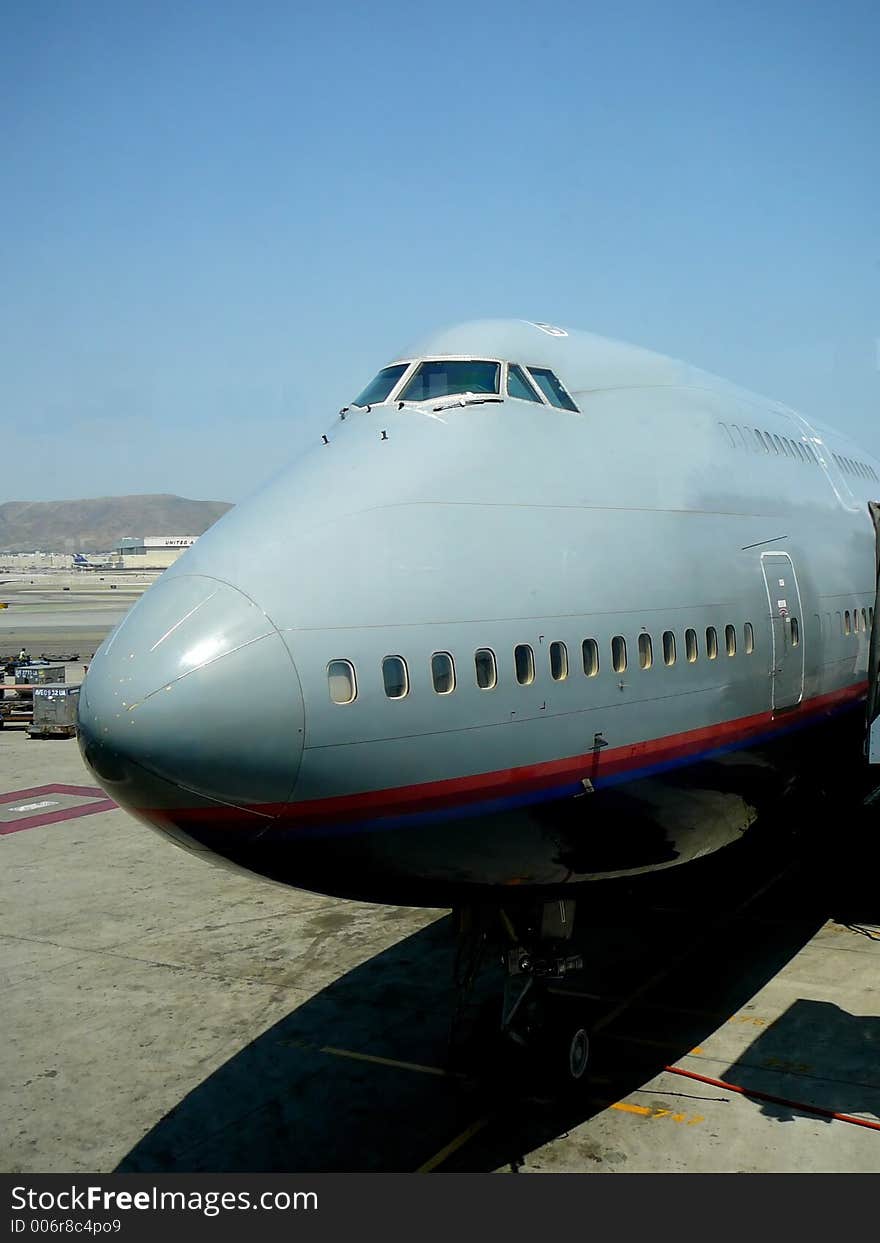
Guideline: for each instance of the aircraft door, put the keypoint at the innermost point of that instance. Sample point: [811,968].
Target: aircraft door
[786,630]
[874,659]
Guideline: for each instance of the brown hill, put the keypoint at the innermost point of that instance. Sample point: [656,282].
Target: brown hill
[96,525]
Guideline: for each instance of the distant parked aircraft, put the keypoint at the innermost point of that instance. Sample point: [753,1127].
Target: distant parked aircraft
[83,563]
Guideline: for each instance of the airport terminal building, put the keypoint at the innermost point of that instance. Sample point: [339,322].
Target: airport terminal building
[151,552]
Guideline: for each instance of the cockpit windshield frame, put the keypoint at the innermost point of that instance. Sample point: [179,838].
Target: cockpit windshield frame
[564,401]
[451,358]
[407,366]
[411,365]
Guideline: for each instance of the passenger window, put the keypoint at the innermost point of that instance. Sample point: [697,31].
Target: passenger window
[711,643]
[847,623]
[558,662]
[552,388]
[618,653]
[795,632]
[487,673]
[395,677]
[730,637]
[749,638]
[760,439]
[524,660]
[443,673]
[690,643]
[590,654]
[864,619]
[856,621]
[519,386]
[646,651]
[727,433]
[341,680]
[668,647]
[840,623]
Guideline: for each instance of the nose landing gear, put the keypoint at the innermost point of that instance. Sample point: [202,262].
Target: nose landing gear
[540,1019]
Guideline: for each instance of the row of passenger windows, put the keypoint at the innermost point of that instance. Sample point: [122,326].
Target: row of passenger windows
[753,440]
[852,623]
[395,672]
[850,466]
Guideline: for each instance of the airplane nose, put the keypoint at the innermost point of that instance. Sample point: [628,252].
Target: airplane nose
[193,702]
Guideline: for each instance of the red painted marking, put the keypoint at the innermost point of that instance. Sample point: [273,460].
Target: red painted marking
[437,795]
[78,791]
[53,817]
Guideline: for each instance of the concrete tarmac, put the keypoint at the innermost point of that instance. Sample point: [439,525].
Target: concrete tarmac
[164,1014]
[65,612]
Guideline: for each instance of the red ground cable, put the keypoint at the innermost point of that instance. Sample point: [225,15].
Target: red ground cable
[775,1100]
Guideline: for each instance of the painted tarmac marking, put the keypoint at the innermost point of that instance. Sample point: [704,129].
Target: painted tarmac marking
[49,802]
[355,1056]
[453,1146]
[389,1061]
[54,788]
[645,1111]
[99,802]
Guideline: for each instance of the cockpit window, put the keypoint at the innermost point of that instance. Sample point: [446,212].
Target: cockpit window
[448,376]
[377,390]
[518,385]
[552,389]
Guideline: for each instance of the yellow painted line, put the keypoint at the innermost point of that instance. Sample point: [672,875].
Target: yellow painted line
[642,1110]
[452,1146]
[390,1061]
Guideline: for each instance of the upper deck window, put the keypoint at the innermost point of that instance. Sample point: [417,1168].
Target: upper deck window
[552,389]
[519,386]
[378,390]
[448,376]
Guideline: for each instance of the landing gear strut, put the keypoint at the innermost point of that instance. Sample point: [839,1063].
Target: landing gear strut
[538,1017]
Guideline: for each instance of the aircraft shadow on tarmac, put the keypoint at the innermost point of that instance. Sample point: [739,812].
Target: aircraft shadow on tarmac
[815,1053]
[312,1094]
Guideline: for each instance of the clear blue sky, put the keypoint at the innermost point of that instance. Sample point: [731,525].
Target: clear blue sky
[220,218]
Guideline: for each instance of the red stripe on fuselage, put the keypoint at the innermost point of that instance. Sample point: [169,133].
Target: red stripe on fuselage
[533,778]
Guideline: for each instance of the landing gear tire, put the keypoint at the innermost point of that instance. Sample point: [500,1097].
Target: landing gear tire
[567,1054]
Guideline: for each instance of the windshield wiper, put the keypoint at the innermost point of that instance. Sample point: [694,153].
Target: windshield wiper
[466,399]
